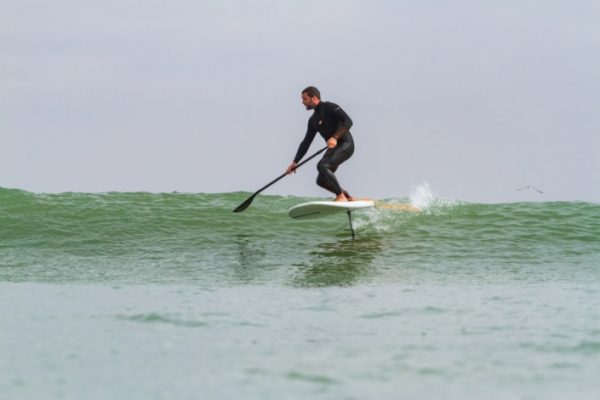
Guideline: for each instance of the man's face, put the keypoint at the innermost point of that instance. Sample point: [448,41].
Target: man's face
[309,102]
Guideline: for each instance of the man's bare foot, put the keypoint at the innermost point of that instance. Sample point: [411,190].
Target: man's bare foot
[341,197]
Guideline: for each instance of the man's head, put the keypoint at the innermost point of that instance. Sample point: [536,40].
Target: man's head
[311,97]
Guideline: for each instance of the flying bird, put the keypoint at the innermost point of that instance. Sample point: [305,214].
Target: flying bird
[531,188]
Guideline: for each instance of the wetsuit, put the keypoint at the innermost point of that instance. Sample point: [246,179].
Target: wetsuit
[330,121]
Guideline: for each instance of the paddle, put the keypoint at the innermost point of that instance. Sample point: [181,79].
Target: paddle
[249,200]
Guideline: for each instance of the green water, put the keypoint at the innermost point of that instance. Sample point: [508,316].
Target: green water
[139,295]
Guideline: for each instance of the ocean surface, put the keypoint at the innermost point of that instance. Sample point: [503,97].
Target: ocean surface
[173,296]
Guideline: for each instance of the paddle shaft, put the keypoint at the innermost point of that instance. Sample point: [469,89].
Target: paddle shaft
[284,174]
[246,203]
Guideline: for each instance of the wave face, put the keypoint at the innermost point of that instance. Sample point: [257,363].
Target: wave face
[177,237]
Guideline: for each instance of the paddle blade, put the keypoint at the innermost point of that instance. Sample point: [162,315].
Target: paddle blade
[244,205]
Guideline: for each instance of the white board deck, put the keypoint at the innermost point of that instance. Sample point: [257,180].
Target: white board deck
[314,209]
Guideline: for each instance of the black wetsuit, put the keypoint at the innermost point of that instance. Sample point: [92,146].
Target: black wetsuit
[330,121]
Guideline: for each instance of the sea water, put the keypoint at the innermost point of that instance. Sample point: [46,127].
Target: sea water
[173,296]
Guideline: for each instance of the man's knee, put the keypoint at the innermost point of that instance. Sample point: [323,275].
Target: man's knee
[323,166]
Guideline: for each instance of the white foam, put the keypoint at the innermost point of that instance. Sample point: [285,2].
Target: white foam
[421,196]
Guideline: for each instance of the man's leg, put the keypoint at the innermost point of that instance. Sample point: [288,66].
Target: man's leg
[329,164]
[321,182]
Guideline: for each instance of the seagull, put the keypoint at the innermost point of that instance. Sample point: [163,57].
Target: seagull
[531,188]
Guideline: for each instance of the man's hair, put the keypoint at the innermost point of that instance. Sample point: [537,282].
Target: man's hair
[312,91]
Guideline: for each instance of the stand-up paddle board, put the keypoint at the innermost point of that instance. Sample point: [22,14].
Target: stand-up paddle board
[314,209]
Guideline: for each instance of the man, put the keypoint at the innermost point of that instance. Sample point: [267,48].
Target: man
[334,126]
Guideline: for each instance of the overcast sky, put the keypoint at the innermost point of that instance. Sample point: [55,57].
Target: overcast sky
[476,98]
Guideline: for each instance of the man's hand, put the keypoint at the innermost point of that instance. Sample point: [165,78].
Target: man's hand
[332,142]
[291,168]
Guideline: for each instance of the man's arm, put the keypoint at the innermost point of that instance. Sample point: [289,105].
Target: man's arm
[305,144]
[303,148]
[343,120]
